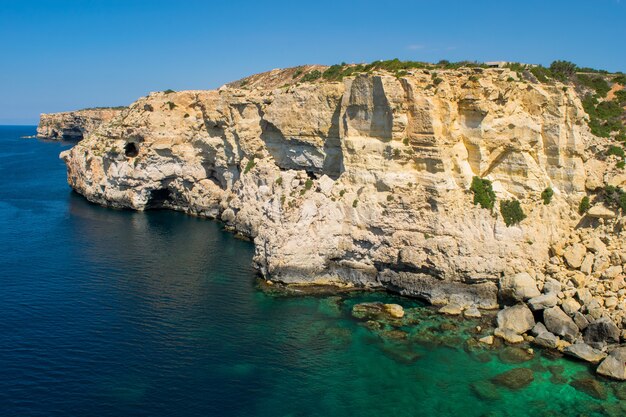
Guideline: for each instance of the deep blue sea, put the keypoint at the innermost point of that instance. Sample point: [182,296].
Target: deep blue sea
[117,313]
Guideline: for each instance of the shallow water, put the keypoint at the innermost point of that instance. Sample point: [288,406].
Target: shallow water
[114,313]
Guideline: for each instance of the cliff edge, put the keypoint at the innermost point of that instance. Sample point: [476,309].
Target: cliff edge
[367,180]
[73,126]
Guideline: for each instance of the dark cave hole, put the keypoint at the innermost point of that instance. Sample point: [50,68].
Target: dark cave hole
[158,198]
[131,150]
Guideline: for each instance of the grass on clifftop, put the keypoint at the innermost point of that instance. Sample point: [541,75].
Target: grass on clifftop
[338,71]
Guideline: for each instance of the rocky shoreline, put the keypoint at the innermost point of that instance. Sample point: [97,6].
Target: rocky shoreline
[74,125]
[368,182]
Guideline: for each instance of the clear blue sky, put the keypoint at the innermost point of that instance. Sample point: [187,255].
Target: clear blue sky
[59,55]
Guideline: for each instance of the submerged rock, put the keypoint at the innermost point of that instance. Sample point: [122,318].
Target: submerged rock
[512,354]
[377,311]
[403,353]
[485,390]
[590,386]
[515,378]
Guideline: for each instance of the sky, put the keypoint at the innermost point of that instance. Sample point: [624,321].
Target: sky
[60,55]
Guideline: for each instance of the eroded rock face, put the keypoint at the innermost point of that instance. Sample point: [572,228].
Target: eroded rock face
[363,182]
[73,126]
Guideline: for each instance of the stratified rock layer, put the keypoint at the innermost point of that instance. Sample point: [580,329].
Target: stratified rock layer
[74,125]
[361,182]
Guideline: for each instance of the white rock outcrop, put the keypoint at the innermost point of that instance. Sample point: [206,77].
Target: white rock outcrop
[366,181]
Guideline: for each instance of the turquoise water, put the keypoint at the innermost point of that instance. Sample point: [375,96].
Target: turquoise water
[116,313]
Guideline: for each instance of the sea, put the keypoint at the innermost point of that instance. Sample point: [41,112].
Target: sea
[109,312]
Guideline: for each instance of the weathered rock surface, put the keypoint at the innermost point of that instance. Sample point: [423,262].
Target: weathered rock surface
[560,324]
[518,287]
[614,366]
[74,125]
[365,182]
[585,352]
[601,332]
[543,301]
[547,340]
[518,319]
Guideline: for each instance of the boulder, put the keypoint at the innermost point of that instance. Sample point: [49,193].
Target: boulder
[519,287]
[590,386]
[570,306]
[601,332]
[472,313]
[451,309]
[377,311]
[614,366]
[601,212]
[560,324]
[551,285]
[518,319]
[547,340]
[543,301]
[394,310]
[508,335]
[580,320]
[538,329]
[515,378]
[585,352]
[574,255]
[488,340]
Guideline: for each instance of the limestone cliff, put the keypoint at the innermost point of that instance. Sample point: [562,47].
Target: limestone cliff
[365,181]
[74,125]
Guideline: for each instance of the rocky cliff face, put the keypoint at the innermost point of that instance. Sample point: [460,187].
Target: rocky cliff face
[366,181]
[74,125]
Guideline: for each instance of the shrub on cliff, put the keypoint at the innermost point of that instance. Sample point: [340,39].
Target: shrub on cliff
[615,150]
[614,197]
[483,193]
[512,212]
[604,117]
[546,195]
[598,84]
[584,205]
[311,76]
[542,74]
[249,166]
[562,69]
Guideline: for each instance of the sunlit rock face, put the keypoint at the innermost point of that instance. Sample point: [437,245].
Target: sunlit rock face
[73,126]
[364,181]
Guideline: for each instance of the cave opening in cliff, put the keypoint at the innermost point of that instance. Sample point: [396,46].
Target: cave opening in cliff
[158,198]
[131,150]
